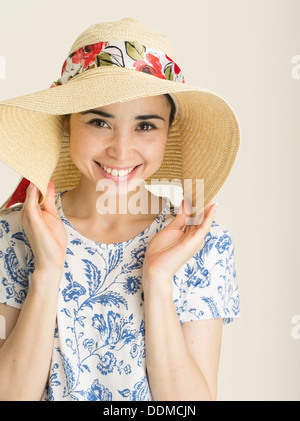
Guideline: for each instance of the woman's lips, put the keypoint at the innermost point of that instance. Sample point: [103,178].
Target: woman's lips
[117,178]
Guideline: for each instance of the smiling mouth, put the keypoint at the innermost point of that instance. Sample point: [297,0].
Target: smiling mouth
[117,173]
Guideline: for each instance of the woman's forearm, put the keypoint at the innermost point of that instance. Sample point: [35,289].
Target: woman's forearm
[173,373]
[26,354]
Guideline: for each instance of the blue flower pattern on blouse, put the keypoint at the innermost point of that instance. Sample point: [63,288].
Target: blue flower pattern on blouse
[99,340]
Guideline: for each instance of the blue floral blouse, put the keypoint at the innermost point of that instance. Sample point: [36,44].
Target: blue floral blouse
[99,339]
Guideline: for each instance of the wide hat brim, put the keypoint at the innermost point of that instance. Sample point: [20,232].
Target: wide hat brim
[203,141]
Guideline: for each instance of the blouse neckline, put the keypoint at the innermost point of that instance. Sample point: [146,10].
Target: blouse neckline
[165,209]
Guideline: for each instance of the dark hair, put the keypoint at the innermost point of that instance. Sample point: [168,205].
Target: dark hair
[173,109]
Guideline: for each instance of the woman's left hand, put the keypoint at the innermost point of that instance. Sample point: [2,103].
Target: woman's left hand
[172,247]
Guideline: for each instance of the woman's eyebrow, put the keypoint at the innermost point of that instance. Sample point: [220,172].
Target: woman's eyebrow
[139,117]
[101,113]
[149,117]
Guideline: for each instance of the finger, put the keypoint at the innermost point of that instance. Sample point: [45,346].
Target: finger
[180,219]
[29,213]
[193,222]
[195,238]
[49,201]
[209,214]
[32,196]
[211,208]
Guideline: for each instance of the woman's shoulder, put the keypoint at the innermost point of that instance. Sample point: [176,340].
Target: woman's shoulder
[13,239]
[218,230]
[9,221]
[10,215]
[217,249]
[218,243]
[16,260]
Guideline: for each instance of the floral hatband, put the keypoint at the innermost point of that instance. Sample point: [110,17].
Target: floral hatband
[127,54]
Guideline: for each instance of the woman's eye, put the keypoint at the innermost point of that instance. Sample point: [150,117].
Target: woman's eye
[97,122]
[146,127]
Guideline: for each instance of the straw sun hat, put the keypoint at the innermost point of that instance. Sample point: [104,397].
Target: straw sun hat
[112,62]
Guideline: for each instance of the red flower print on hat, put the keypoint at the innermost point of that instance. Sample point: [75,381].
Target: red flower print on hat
[86,55]
[154,68]
[127,54]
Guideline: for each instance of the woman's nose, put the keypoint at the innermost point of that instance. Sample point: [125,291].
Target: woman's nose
[121,147]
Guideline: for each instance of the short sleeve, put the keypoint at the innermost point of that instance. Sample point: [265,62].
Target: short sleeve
[13,259]
[206,286]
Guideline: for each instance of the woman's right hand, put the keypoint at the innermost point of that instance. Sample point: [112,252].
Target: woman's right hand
[44,229]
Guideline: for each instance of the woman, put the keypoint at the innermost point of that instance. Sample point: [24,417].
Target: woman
[122,305]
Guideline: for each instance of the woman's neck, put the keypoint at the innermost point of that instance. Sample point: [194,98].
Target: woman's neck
[100,209]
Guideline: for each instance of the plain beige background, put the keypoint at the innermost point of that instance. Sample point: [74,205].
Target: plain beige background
[244,51]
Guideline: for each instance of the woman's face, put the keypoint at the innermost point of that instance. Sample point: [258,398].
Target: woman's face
[120,136]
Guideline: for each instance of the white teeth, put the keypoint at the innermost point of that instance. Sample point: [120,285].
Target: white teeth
[107,169]
[117,173]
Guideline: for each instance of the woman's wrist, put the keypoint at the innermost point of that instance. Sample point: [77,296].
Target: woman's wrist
[46,279]
[157,286]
